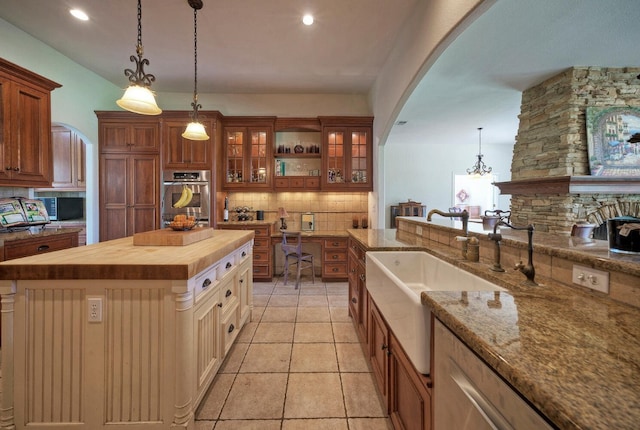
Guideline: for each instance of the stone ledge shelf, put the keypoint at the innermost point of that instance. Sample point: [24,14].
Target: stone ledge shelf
[571,185]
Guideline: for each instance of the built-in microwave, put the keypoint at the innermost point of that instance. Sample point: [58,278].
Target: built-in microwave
[64,208]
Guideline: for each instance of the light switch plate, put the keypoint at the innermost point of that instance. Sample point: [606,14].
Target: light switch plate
[591,278]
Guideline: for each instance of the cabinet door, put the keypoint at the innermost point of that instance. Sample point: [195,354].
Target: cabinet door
[259,157]
[131,135]
[245,290]
[248,157]
[68,159]
[379,351]
[347,160]
[30,149]
[208,342]
[5,135]
[234,139]
[181,153]
[129,194]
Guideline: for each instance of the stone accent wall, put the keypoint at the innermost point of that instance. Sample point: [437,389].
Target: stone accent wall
[552,141]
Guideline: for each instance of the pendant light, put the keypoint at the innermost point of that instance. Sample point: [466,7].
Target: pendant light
[138,97]
[479,168]
[195,130]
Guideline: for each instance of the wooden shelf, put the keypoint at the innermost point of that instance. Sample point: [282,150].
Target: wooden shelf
[571,185]
[298,155]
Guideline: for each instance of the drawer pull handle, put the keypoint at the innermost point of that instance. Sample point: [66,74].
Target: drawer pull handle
[335,269]
[257,257]
[354,300]
[244,253]
[219,305]
[228,293]
[43,248]
[336,243]
[231,328]
[335,256]
[206,283]
[362,277]
[228,265]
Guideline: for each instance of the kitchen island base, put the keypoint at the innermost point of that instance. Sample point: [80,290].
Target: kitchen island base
[119,353]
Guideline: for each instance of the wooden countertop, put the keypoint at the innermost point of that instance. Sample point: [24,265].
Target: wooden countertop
[120,259]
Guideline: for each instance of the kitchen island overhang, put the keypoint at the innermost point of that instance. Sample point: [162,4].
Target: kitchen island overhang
[167,317]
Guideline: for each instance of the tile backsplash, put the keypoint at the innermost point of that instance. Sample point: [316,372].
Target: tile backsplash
[333,211]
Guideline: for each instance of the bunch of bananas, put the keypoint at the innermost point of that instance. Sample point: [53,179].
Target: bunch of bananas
[185,197]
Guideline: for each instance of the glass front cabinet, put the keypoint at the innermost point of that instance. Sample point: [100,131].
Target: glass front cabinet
[248,155]
[348,157]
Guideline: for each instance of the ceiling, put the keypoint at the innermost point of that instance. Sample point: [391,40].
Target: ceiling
[258,46]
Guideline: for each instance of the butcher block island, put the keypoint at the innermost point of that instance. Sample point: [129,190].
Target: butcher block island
[120,335]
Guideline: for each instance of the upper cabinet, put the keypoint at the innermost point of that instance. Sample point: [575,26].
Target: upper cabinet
[347,161]
[69,154]
[120,133]
[181,153]
[25,124]
[297,154]
[248,153]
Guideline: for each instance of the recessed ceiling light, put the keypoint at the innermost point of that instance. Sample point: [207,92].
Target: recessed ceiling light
[79,14]
[307,19]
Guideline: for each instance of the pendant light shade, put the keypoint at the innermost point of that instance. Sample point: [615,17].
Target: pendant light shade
[195,130]
[138,97]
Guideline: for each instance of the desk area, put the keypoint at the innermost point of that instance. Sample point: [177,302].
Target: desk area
[332,245]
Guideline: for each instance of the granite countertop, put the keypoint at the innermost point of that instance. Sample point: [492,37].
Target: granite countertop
[315,233]
[573,354]
[10,236]
[121,259]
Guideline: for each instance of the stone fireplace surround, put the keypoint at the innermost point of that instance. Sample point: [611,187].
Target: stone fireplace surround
[550,185]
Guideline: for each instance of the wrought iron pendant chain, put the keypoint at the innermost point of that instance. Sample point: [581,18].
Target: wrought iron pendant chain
[138,76]
[195,105]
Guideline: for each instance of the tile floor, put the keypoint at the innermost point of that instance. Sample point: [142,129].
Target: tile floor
[296,365]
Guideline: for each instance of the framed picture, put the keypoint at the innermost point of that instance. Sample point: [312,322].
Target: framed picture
[307,222]
[612,150]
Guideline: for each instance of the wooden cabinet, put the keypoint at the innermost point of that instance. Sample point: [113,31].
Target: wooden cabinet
[334,265]
[129,174]
[69,153]
[379,352]
[358,296]
[129,194]
[297,183]
[409,397]
[248,154]
[39,245]
[262,256]
[347,148]
[181,153]
[25,127]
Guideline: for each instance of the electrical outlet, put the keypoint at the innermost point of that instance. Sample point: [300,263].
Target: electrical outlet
[95,309]
[591,278]
[419,230]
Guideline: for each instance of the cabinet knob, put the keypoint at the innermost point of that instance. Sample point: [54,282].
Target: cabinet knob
[7,168]
[231,328]
[354,300]
[334,256]
[363,277]
[228,265]
[228,293]
[43,248]
[16,169]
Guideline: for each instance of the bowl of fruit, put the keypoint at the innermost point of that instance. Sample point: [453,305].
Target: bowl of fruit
[183,222]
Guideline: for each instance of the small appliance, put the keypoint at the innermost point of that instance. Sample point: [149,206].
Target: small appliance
[64,208]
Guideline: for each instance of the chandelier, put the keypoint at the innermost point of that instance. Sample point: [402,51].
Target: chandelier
[138,97]
[195,130]
[479,168]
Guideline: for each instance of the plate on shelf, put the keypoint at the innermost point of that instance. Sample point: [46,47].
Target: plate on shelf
[298,149]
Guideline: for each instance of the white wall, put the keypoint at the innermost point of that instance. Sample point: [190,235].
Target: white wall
[423,173]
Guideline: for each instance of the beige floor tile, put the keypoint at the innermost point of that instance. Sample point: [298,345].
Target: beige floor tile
[279,314]
[360,395]
[344,332]
[315,424]
[313,314]
[284,300]
[313,290]
[339,314]
[313,357]
[213,401]
[335,300]
[256,396]
[205,425]
[274,332]
[267,357]
[314,395]
[248,425]
[313,301]
[351,358]
[256,313]
[265,288]
[233,360]
[286,290]
[247,332]
[260,300]
[338,288]
[370,424]
[313,332]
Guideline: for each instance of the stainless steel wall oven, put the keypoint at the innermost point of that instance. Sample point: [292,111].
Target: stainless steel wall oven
[186,192]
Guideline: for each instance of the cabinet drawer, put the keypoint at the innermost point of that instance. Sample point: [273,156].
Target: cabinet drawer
[357,250]
[261,257]
[230,328]
[261,271]
[27,247]
[334,255]
[334,270]
[261,231]
[207,280]
[228,295]
[282,182]
[226,264]
[261,243]
[244,253]
[335,243]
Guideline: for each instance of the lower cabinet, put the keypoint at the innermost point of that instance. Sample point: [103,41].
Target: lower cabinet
[39,245]
[262,255]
